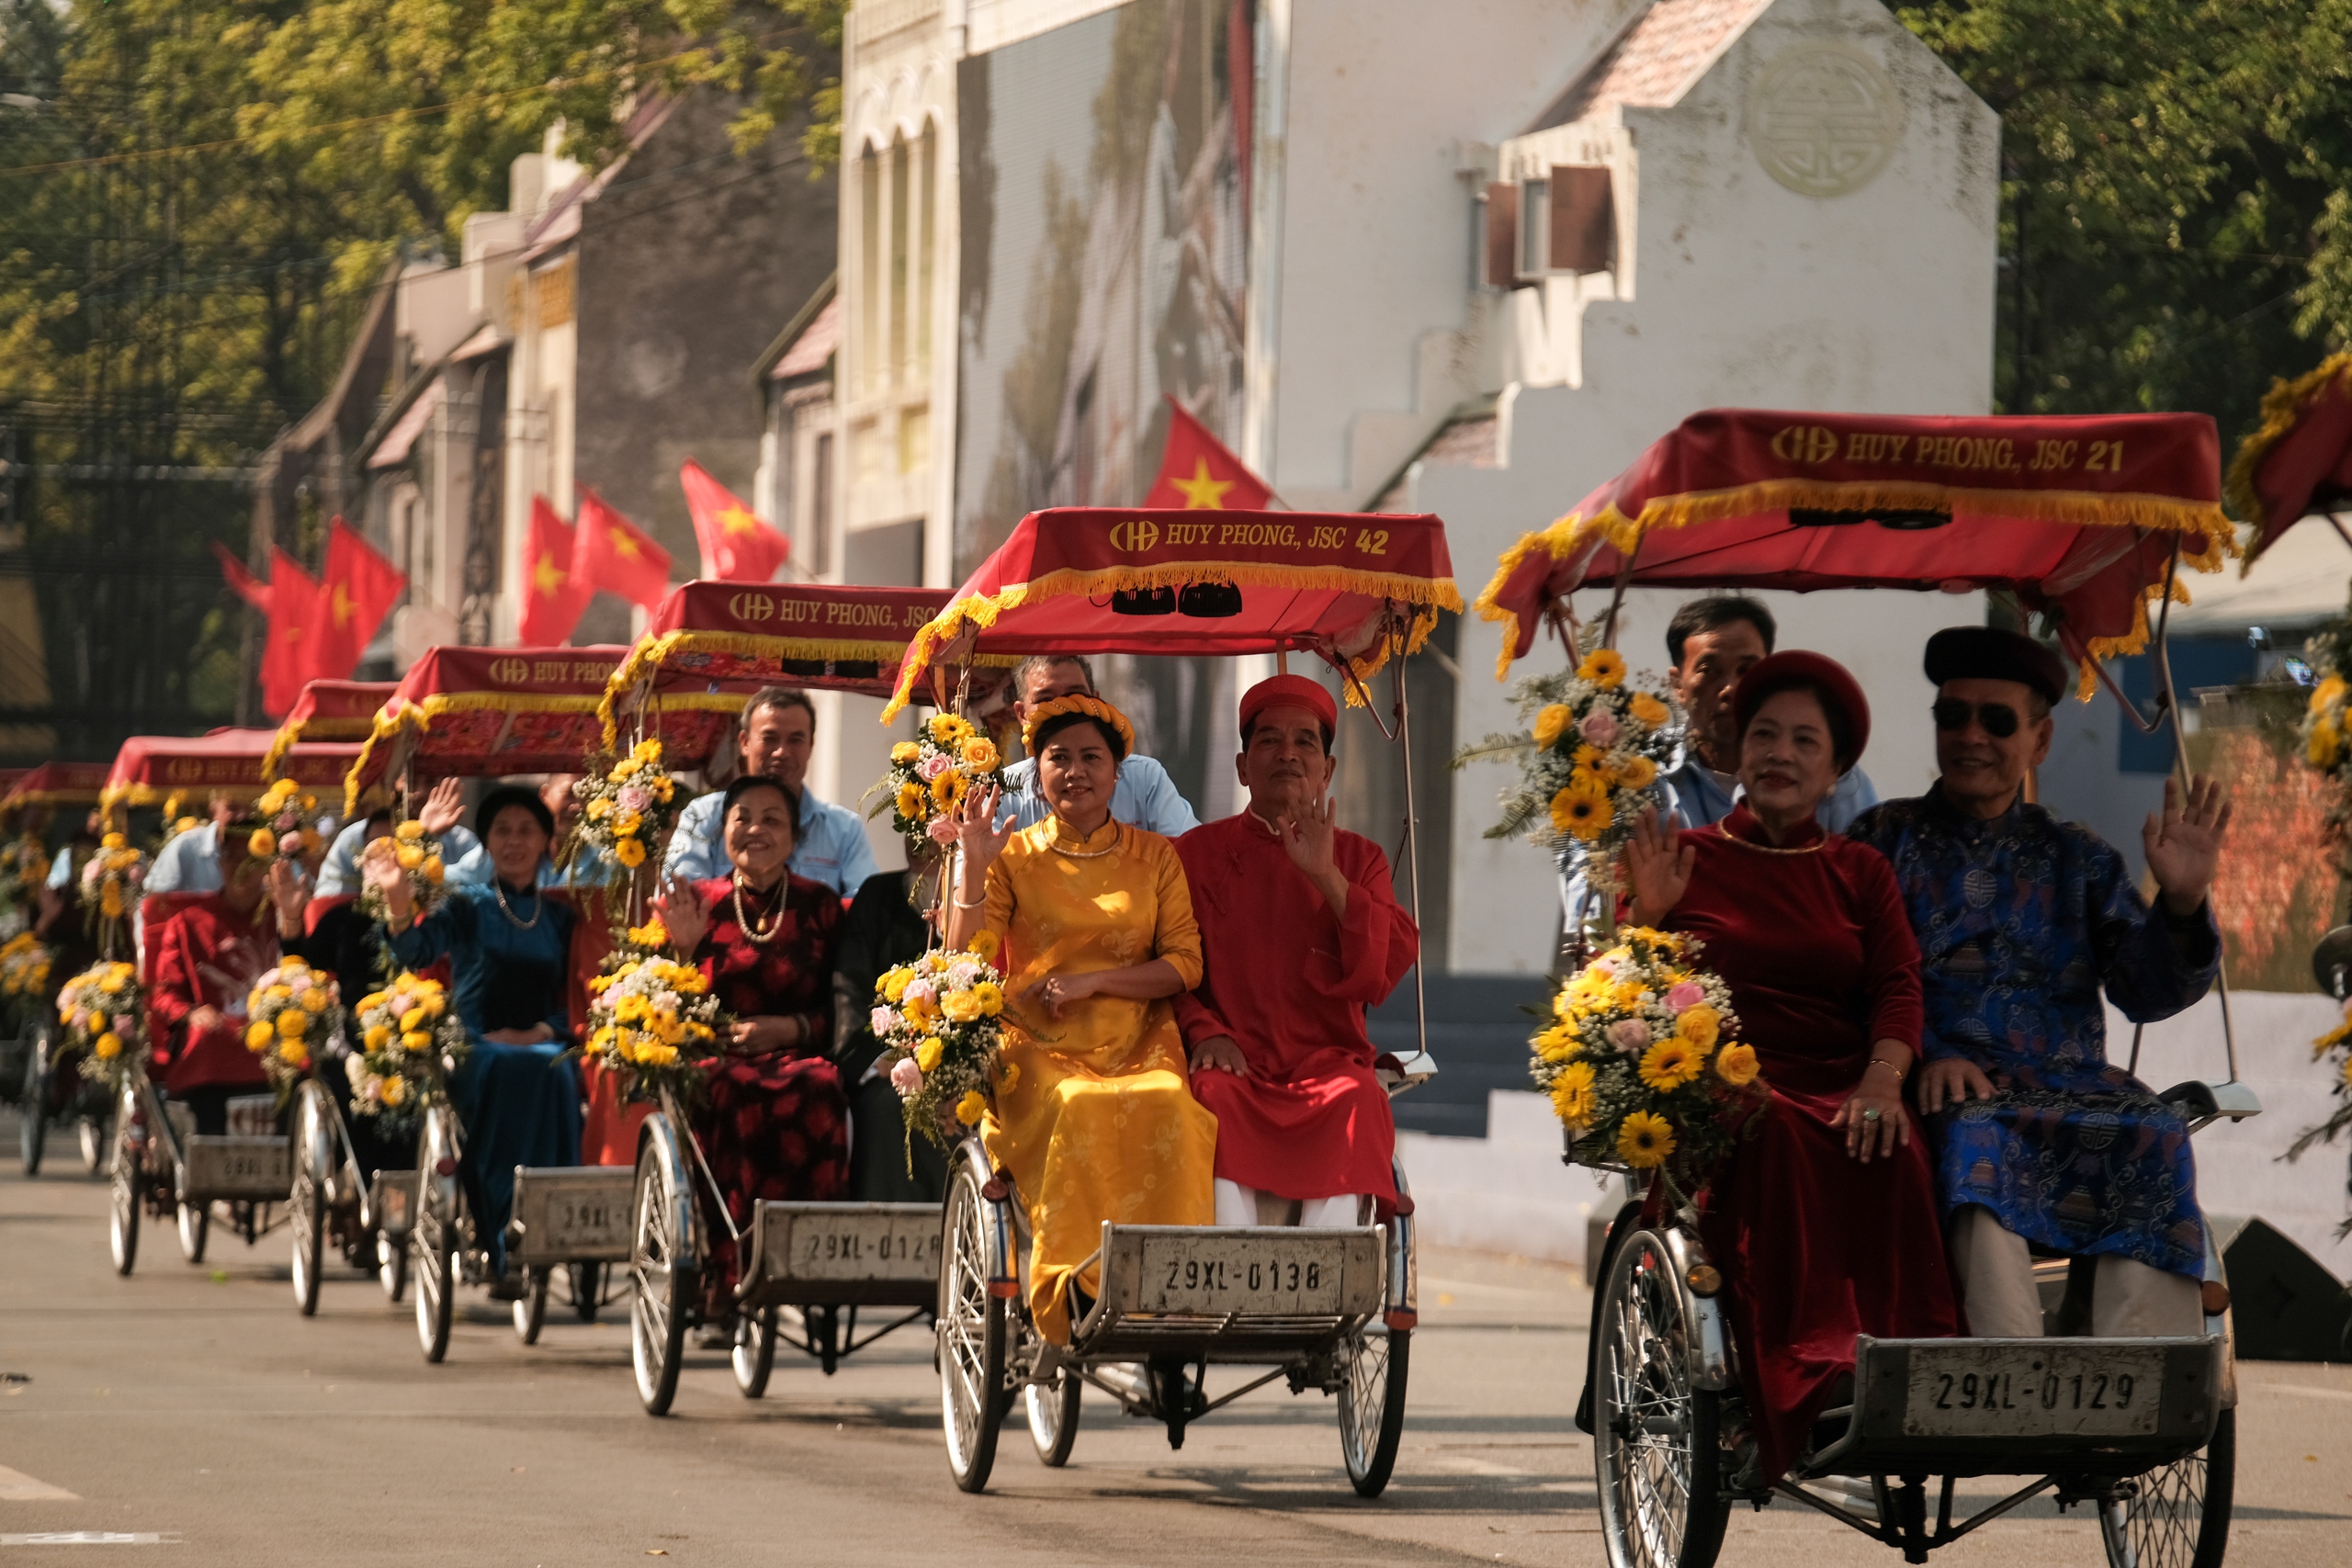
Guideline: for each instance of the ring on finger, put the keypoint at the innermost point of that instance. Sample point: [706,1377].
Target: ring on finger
[1871,1113]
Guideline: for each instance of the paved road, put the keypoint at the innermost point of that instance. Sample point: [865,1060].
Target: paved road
[193,1410]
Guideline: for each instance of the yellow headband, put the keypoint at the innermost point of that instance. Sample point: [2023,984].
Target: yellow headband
[1077,703]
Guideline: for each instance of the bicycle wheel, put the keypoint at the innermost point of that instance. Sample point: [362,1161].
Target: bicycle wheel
[661,1267]
[974,1334]
[433,1240]
[124,1185]
[306,1205]
[32,1124]
[1656,1445]
[2178,1517]
[195,1227]
[1053,1417]
[1372,1404]
[755,1354]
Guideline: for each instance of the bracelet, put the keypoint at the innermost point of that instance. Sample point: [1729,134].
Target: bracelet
[1882,1062]
[973,904]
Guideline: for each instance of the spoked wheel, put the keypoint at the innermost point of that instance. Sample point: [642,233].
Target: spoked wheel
[32,1127]
[196,1225]
[123,1182]
[391,1266]
[95,1145]
[974,1334]
[306,1206]
[754,1356]
[1655,1441]
[432,1236]
[587,1279]
[1053,1416]
[2178,1517]
[661,1267]
[531,1306]
[1372,1403]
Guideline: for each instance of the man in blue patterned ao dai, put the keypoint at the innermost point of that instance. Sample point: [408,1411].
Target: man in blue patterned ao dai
[2022,920]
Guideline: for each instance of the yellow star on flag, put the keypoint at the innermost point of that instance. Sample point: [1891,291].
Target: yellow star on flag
[735,520]
[624,544]
[547,577]
[339,603]
[1203,493]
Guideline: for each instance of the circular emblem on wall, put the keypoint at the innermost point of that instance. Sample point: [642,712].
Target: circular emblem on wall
[1823,119]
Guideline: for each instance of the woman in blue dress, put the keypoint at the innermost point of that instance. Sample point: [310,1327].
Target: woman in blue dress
[508,945]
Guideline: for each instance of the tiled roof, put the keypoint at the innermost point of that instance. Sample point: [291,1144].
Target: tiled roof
[1655,62]
[812,350]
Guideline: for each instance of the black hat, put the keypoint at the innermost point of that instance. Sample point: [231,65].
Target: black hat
[1988,653]
[505,795]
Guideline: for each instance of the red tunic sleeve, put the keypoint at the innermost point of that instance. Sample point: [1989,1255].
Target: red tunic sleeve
[176,991]
[1890,952]
[1198,1017]
[1378,941]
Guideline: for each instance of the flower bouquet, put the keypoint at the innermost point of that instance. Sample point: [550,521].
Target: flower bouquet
[101,1010]
[652,1019]
[2327,736]
[112,881]
[283,834]
[2334,1047]
[24,866]
[24,967]
[939,1019]
[1589,762]
[626,810]
[931,775]
[418,855]
[1640,1064]
[409,1045]
[293,1011]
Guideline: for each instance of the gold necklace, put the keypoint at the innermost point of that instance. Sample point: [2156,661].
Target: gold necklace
[752,933]
[1730,837]
[539,905]
[1059,848]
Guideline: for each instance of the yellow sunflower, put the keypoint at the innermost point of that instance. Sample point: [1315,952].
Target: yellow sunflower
[1589,767]
[1644,1141]
[1572,1095]
[1670,1064]
[1604,667]
[1581,813]
[1557,1044]
[1736,1064]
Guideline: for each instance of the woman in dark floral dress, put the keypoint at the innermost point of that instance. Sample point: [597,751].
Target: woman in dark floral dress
[774,1123]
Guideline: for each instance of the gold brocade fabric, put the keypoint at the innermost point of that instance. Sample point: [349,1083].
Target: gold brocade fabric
[1099,1122]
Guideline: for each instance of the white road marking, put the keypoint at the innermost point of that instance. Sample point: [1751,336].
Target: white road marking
[16,1486]
[2296,1388]
[91,1538]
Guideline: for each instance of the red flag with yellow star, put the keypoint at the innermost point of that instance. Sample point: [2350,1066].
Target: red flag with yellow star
[293,633]
[736,545]
[1197,473]
[551,602]
[356,590]
[610,552]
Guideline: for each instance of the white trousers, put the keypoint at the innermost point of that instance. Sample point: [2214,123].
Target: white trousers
[2128,1298]
[1240,1205]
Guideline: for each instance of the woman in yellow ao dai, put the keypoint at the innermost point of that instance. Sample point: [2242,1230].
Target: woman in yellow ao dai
[1095,1117]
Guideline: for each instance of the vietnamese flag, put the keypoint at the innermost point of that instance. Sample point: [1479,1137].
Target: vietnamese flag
[293,633]
[242,583]
[356,590]
[552,602]
[1197,473]
[610,552]
[736,545]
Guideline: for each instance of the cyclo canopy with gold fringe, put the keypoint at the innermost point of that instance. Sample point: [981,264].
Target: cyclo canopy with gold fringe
[2299,460]
[150,769]
[1200,583]
[476,712]
[328,710]
[2078,516]
[821,637]
[55,784]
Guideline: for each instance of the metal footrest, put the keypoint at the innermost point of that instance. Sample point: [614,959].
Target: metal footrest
[256,1169]
[570,1214]
[843,1254]
[2001,1406]
[1231,1293]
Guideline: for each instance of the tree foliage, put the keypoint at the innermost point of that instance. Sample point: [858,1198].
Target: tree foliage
[2176,211]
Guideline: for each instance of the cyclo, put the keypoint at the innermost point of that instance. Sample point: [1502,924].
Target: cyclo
[2052,513]
[475,712]
[160,1166]
[36,1071]
[1330,1311]
[807,1268]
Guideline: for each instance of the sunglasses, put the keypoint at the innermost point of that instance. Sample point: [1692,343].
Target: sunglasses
[1999,719]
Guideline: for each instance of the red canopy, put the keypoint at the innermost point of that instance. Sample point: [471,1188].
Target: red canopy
[328,710]
[150,769]
[831,637]
[1197,582]
[56,784]
[2078,516]
[2300,461]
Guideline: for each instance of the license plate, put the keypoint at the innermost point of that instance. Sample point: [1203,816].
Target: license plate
[2033,1392]
[856,1246]
[1273,1275]
[574,1212]
[239,1167]
[253,1116]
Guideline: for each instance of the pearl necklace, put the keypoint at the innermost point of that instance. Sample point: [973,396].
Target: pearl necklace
[751,932]
[539,905]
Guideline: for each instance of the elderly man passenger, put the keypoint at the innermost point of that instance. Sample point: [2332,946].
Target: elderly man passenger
[1145,797]
[1300,933]
[773,738]
[2022,920]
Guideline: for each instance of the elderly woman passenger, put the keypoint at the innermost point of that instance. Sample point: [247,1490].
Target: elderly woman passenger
[1808,931]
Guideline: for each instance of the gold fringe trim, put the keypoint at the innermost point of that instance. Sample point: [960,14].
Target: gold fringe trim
[2078,508]
[282,742]
[649,655]
[52,798]
[2133,641]
[2281,407]
[983,609]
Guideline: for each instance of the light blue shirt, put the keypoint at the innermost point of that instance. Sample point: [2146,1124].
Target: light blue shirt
[829,848]
[61,870]
[190,862]
[339,872]
[1145,797]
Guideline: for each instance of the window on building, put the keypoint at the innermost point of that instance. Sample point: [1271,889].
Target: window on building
[927,210]
[869,327]
[902,341]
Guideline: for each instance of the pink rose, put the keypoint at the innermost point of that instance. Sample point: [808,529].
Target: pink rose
[942,829]
[884,1020]
[933,765]
[921,991]
[1628,1035]
[906,1077]
[1686,995]
[632,798]
[1604,967]
[1599,726]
